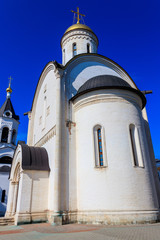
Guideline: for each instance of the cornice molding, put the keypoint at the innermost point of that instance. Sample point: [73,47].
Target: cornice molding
[94,98]
[79,35]
[46,137]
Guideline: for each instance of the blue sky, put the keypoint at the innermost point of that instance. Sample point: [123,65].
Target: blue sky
[30,34]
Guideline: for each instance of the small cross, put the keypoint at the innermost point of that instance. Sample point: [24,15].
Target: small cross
[10,79]
[78,19]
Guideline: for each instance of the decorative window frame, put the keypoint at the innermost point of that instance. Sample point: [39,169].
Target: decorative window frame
[137,157]
[9,112]
[96,147]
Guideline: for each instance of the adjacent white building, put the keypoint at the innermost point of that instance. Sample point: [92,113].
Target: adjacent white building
[89,155]
[9,122]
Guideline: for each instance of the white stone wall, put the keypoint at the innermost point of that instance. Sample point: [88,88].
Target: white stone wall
[119,186]
[50,147]
[32,197]
[43,116]
[39,191]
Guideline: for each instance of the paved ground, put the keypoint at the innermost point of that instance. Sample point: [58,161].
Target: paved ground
[45,231]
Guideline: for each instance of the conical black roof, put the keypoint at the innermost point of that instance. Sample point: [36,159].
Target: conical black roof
[7,105]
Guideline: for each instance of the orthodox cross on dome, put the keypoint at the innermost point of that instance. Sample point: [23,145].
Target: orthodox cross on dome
[10,79]
[78,14]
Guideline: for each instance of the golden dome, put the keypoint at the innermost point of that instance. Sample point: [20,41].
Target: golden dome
[78,26]
[9,89]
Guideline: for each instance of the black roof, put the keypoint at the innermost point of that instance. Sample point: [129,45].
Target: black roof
[34,158]
[103,81]
[107,82]
[7,105]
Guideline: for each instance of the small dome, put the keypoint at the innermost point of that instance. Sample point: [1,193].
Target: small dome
[9,89]
[78,26]
[107,82]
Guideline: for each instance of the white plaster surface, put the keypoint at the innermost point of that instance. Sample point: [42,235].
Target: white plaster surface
[117,187]
[81,38]
[47,115]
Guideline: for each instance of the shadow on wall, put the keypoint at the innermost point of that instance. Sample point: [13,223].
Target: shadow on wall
[2,205]
[2,209]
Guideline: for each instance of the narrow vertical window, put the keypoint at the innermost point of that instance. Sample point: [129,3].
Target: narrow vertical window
[5,135]
[99,137]
[99,146]
[74,49]
[3,196]
[88,48]
[14,137]
[135,145]
[63,56]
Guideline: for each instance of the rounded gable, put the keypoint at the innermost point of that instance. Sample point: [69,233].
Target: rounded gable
[107,82]
[97,65]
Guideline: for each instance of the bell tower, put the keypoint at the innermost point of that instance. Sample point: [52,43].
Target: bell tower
[9,123]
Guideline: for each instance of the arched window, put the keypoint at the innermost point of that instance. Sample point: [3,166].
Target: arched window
[74,49]
[14,136]
[88,48]
[135,145]
[99,146]
[63,56]
[5,135]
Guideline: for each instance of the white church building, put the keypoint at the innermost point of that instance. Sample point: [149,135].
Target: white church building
[89,155]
